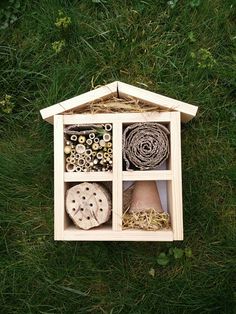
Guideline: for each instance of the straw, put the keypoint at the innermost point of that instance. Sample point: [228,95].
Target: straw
[148,219]
[115,105]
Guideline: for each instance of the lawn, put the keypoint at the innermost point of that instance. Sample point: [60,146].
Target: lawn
[51,50]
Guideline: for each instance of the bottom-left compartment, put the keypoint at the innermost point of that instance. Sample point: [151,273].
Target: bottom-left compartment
[88,206]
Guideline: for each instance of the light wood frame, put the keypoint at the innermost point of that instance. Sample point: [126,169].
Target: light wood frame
[64,228]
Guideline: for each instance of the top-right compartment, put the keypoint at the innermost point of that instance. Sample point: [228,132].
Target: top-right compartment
[146,145]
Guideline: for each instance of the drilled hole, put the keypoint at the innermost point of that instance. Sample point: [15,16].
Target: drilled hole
[87,189]
[80,219]
[73,201]
[91,204]
[88,217]
[100,200]
[101,209]
[83,197]
[78,192]
[73,208]
[81,209]
[95,193]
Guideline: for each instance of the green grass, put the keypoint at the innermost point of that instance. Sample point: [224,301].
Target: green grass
[148,44]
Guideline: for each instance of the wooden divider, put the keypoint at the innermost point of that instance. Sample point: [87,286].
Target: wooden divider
[59,185]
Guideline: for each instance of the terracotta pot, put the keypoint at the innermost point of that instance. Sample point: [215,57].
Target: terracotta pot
[145,196]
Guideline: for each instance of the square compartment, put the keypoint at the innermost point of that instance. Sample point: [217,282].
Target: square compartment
[146,197]
[88,147]
[70,227]
[165,165]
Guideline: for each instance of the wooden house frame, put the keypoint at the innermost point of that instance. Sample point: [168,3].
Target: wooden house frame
[173,113]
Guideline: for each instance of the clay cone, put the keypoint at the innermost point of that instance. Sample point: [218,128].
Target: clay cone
[145,196]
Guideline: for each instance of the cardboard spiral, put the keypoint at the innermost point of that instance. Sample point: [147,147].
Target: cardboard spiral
[145,145]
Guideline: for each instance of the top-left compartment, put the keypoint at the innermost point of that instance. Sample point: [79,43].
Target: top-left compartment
[88,147]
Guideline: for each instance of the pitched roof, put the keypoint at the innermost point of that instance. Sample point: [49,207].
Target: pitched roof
[120,89]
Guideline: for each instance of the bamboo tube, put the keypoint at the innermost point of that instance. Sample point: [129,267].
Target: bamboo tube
[91,136]
[106,137]
[87,164]
[82,139]
[88,152]
[81,162]
[89,141]
[73,137]
[102,143]
[67,149]
[109,144]
[68,159]
[96,140]
[109,150]
[108,127]
[80,148]
[95,146]
[72,160]
[99,155]
[70,167]
[88,158]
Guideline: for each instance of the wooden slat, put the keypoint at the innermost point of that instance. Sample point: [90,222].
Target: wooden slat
[147,175]
[87,176]
[106,234]
[117,117]
[115,219]
[117,182]
[59,192]
[75,102]
[187,111]
[175,186]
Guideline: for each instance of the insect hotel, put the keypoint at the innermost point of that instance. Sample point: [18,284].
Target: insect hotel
[117,165]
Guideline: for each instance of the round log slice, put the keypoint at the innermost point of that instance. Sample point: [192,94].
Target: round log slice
[88,204]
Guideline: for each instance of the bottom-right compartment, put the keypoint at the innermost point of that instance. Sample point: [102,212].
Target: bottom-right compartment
[146,205]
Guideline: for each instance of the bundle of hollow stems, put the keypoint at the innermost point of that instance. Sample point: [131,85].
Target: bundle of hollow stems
[88,147]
